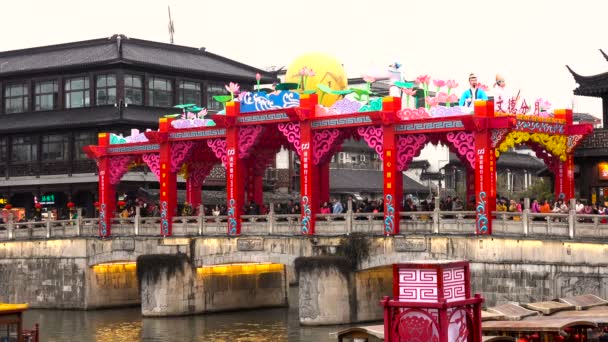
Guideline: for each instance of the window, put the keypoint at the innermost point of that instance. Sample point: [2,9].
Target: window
[3,150]
[55,147]
[15,98]
[160,92]
[214,90]
[46,94]
[82,139]
[189,92]
[105,90]
[25,149]
[134,90]
[77,92]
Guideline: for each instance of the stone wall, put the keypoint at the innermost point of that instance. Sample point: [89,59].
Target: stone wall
[111,286]
[371,286]
[325,296]
[192,290]
[45,274]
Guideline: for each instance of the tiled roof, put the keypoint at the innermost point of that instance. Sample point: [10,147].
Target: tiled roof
[595,86]
[513,160]
[348,180]
[119,49]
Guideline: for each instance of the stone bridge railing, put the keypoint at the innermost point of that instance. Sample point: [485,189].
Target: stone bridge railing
[524,224]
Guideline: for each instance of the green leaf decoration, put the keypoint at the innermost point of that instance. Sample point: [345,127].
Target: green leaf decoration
[116,140]
[222,98]
[172,115]
[195,109]
[360,91]
[328,90]
[182,106]
[407,85]
[286,86]
[309,92]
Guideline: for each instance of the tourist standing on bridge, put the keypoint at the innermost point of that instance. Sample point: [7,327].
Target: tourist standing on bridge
[337,208]
[472,94]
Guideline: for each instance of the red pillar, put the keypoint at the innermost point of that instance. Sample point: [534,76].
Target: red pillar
[235,170]
[485,168]
[309,187]
[393,180]
[564,175]
[107,191]
[324,182]
[168,182]
[193,192]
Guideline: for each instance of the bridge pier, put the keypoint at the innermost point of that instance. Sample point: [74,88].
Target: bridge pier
[171,286]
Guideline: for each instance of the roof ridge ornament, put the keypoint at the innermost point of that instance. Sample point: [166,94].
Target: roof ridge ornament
[604,54]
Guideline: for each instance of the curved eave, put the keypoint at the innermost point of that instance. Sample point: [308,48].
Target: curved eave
[594,86]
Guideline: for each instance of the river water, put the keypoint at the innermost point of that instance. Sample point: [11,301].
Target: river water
[118,325]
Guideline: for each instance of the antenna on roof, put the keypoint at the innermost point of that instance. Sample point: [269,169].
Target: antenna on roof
[171,27]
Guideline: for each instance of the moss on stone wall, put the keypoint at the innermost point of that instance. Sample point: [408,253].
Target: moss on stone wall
[316,263]
[153,265]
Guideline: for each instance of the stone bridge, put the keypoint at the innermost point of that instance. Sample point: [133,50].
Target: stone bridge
[64,264]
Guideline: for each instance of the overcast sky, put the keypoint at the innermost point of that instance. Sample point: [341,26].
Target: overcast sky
[528,42]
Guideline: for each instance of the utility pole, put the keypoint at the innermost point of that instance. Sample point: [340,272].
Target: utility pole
[171,27]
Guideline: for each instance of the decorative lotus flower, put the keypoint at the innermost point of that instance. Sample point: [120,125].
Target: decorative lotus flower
[258,77]
[369,79]
[423,79]
[232,88]
[202,113]
[442,97]
[452,98]
[482,87]
[451,84]
[409,92]
[432,101]
[439,83]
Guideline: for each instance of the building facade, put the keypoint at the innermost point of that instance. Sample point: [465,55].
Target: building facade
[591,158]
[56,99]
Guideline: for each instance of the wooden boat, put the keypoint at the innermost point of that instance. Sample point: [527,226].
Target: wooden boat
[11,324]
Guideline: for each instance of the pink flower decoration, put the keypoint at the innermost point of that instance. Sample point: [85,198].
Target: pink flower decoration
[303,71]
[442,97]
[432,101]
[310,72]
[202,113]
[233,88]
[439,83]
[369,79]
[409,92]
[258,76]
[413,114]
[451,84]
[452,98]
[425,79]
[482,86]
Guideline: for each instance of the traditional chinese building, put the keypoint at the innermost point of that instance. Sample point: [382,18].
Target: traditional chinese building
[591,158]
[57,98]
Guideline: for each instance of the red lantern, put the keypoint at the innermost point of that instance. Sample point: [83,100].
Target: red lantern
[121,203]
[8,206]
[71,205]
[96,204]
[38,206]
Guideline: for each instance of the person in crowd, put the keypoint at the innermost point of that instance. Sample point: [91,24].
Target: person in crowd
[472,94]
[579,207]
[216,211]
[501,205]
[515,208]
[325,208]
[546,207]
[457,204]
[337,206]
[535,208]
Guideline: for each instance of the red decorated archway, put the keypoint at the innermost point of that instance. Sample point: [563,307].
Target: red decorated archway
[246,144]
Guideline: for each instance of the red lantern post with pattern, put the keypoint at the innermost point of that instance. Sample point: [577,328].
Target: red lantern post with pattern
[309,186]
[168,180]
[235,170]
[485,168]
[107,190]
[432,302]
[393,180]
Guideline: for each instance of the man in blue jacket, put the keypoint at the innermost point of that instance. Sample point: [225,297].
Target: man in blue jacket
[468,97]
